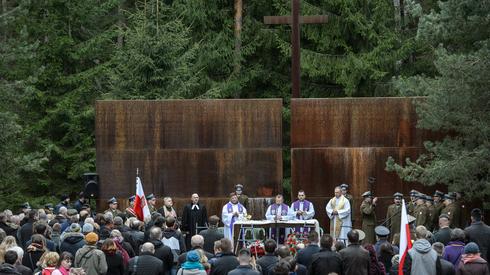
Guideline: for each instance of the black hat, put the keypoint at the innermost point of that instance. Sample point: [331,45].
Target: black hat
[112,200]
[132,198]
[344,186]
[449,196]
[150,197]
[381,231]
[438,194]
[367,194]
[398,195]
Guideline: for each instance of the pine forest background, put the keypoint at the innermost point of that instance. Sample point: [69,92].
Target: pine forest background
[58,56]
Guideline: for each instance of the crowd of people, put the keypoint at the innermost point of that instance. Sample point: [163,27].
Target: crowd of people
[72,239]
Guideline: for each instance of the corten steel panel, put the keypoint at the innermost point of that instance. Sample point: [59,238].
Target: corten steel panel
[319,170]
[356,122]
[187,146]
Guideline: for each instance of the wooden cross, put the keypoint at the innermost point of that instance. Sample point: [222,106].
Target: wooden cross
[295,20]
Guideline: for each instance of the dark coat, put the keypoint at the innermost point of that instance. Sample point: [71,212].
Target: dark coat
[72,242]
[244,270]
[145,264]
[304,255]
[191,218]
[164,253]
[224,264]
[355,260]
[446,267]
[325,262]
[443,236]
[31,258]
[479,233]
[24,270]
[9,230]
[210,236]
[115,265]
[25,233]
[477,267]
[8,269]
[267,262]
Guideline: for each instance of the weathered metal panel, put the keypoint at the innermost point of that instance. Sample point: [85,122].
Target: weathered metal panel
[355,122]
[187,146]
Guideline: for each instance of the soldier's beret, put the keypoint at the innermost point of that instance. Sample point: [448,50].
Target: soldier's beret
[398,195]
[111,200]
[381,231]
[367,194]
[150,197]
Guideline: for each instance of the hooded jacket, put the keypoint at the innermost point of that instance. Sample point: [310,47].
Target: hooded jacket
[8,269]
[91,260]
[164,253]
[422,258]
[71,242]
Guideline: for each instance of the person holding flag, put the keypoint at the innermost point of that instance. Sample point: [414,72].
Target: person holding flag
[140,205]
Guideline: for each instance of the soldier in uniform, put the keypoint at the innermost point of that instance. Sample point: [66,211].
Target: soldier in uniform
[368,216]
[382,234]
[393,214]
[429,203]
[130,209]
[420,210]
[242,198]
[451,210]
[113,207]
[411,205]
[438,206]
[152,203]
[344,187]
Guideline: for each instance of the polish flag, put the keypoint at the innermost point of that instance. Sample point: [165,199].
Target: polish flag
[140,206]
[405,241]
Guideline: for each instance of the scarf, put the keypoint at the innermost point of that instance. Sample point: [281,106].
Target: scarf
[337,225]
[63,270]
[192,265]
[123,251]
[229,208]
[470,258]
[296,206]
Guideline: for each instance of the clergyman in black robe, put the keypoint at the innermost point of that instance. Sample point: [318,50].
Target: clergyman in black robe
[194,215]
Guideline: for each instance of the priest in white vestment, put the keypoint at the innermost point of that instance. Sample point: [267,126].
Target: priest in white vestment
[338,211]
[232,211]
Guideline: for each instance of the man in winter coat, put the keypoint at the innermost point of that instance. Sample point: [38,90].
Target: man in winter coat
[471,263]
[227,261]
[479,233]
[421,259]
[244,268]
[162,251]
[326,261]
[72,241]
[355,259]
[91,259]
[146,263]
[8,267]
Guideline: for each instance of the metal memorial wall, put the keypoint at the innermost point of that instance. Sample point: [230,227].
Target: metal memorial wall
[189,146]
[348,140]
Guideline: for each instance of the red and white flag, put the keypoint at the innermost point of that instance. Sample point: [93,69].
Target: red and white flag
[405,241]
[140,206]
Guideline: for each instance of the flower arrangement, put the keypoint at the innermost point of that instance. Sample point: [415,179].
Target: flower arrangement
[257,248]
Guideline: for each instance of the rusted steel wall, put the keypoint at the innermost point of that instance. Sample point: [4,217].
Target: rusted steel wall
[348,140]
[187,146]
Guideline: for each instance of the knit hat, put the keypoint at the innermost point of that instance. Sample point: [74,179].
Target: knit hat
[87,228]
[193,256]
[75,227]
[91,238]
[471,248]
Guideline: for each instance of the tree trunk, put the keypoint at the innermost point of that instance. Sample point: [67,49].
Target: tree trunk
[238,40]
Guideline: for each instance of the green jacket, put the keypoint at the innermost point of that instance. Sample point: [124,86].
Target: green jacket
[368,216]
[91,259]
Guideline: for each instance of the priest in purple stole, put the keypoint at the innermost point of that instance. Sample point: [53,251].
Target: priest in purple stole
[303,210]
[232,212]
[279,211]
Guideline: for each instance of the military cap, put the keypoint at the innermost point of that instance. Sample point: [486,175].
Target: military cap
[413,192]
[150,197]
[132,198]
[344,186]
[398,195]
[420,196]
[25,205]
[361,234]
[381,231]
[429,198]
[238,186]
[438,194]
[112,200]
[449,196]
[446,216]
[367,194]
